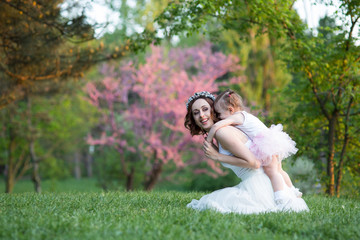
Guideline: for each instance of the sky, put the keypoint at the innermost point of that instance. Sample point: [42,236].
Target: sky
[311,13]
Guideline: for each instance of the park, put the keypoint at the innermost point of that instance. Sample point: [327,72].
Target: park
[93,143]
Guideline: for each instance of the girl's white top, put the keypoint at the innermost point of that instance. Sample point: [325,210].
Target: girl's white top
[266,142]
[252,126]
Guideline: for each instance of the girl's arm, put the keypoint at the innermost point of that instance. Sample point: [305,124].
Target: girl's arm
[235,119]
[233,142]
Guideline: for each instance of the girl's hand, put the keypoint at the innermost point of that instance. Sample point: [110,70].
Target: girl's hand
[210,151]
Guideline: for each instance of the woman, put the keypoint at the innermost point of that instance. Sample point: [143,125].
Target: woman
[254,194]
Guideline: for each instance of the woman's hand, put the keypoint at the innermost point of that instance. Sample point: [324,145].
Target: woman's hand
[210,151]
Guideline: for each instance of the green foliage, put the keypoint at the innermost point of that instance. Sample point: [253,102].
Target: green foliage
[33,36]
[53,168]
[264,70]
[163,215]
[43,46]
[58,127]
[204,182]
[108,171]
[191,16]
[186,180]
[14,144]
[349,186]
[69,119]
[326,68]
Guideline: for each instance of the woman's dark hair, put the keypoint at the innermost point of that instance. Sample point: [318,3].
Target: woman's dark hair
[190,121]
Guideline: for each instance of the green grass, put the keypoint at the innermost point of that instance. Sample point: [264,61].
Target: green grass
[57,186]
[163,215]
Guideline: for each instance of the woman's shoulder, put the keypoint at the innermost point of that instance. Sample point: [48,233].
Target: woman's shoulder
[225,131]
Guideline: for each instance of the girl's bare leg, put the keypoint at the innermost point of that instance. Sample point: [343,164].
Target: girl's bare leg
[272,172]
[285,176]
[288,181]
[277,181]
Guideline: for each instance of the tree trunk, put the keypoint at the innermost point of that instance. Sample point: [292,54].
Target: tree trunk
[130,180]
[330,161]
[34,160]
[10,182]
[10,175]
[343,150]
[35,165]
[36,177]
[153,176]
[339,178]
[14,169]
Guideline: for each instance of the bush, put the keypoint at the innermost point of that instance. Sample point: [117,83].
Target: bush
[203,182]
[303,175]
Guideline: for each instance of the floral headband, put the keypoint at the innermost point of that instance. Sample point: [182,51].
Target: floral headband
[200,94]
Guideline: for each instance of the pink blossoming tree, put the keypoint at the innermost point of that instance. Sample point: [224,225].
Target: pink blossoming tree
[155,113]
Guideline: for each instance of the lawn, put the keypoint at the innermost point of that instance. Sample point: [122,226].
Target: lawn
[66,185]
[163,215]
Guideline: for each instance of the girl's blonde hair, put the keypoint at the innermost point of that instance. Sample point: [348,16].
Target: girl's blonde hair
[229,98]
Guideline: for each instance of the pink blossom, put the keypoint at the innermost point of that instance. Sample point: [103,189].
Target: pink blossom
[149,100]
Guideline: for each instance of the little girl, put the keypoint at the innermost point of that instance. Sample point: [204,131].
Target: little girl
[269,145]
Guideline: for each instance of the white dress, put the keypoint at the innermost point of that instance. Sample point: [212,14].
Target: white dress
[254,194]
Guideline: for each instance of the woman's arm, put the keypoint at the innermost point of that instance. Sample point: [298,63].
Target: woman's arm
[217,126]
[232,140]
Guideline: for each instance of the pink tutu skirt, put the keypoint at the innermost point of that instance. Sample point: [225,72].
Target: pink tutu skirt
[273,141]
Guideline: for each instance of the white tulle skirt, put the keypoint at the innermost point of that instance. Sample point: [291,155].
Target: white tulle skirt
[273,141]
[253,195]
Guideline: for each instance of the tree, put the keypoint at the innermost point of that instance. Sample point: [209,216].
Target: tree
[40,137]
[40,47]
[40,50]
[333,85]
[61,143]
[263,69]
[14,145]
[328,71]
[136,15]
[158,90]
